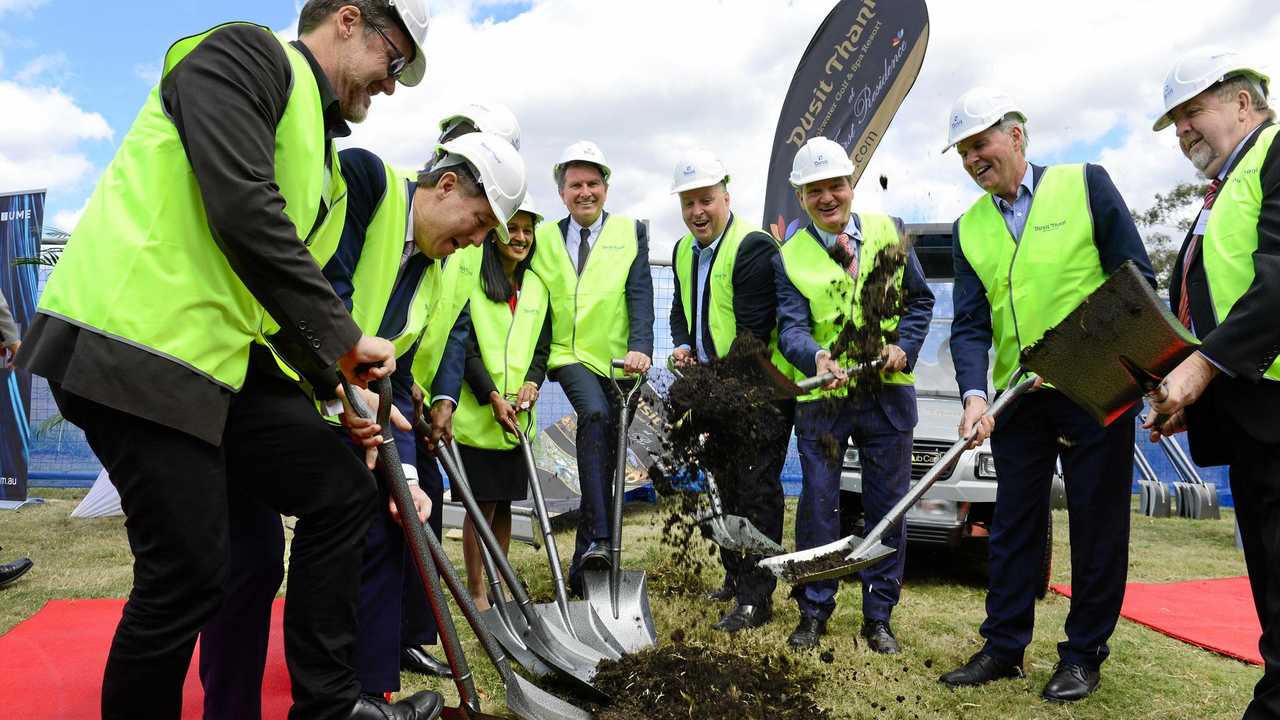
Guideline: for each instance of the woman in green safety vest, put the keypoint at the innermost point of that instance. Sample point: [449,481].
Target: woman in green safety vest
[507,353]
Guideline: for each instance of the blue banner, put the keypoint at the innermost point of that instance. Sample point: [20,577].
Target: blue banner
[849,84]
[21,217]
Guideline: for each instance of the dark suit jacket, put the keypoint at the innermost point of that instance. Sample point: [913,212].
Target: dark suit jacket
[639,291]
[1248,339]
[755,300]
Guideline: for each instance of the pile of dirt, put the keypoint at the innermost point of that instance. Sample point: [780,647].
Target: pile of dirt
[684,680]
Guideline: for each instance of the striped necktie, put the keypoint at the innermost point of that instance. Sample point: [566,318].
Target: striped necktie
[1184,300]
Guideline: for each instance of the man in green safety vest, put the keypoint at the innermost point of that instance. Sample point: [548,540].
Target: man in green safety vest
[1028,251]
[595,267]
[202,241]
[1225,288]
[822,271]
[724,288]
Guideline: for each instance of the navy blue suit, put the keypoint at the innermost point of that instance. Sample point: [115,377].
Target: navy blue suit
[1028,439]
[234,643]
[599,409]
[879,425]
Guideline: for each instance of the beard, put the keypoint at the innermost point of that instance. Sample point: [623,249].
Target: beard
[1201,156]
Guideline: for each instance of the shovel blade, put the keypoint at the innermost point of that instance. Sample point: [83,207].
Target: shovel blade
[832,560]
[529,702]
[587,632]
[737,534]
[633,627]
[509,638]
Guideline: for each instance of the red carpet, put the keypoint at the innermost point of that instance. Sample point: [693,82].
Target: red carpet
[52,664]
[1217,615]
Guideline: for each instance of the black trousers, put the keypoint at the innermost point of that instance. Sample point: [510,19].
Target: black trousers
[755,493]
[1097,465]
[174,491]
[1255,487]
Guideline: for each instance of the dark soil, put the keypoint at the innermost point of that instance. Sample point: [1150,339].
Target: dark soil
[680,681]
[880,298]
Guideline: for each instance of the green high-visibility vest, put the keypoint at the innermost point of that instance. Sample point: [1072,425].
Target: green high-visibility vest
[142,265]
[507,342]
[1231,235]
[834,297]
[1034,283]
[447,288]
[723,324]
[589,319]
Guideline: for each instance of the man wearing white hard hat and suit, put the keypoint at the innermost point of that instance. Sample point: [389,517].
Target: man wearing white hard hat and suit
[1026,254]
[1225,288]
[595,267]
[820,274]
[724,289]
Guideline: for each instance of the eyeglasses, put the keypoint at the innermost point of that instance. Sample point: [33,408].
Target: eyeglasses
[398,61]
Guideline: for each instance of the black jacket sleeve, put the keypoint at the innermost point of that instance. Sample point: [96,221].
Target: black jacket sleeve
[366,185]
[1114,233]
[449,375]
[226,98]
[755,297]
[680,334]
[914,324]
[474,372]
[971,327]
[541,354]
[1247,340]
[639,291]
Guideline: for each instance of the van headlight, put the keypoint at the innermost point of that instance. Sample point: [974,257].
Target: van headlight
[986,467]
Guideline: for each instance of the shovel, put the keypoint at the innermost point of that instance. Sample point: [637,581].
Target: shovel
[1202,498]
[577,616]
[621,597]
[1108,351]
[1153,496]
[524,699]
[852,554]
[552,645]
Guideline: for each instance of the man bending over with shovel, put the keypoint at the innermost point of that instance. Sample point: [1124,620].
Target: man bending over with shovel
[1026,254]
[820,274]
[724,287]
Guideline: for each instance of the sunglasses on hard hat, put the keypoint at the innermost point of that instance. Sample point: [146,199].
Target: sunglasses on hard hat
[398,61]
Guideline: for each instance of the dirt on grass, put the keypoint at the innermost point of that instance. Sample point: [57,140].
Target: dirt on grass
[684,680]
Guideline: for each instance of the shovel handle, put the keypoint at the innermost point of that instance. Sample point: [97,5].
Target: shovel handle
[817,381]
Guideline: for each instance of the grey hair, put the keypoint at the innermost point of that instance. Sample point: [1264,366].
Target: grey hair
[1010,121]
[468,178]
[1229,88]
[377,13]
[560,170]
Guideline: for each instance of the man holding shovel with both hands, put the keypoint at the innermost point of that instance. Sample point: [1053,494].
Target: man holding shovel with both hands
[1226,289]
[1026,254]
[820,274]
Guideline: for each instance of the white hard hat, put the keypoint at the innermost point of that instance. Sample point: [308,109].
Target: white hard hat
[1199,70]
[583,151]
[414,15]
[698,169]
[819,159]
[493,118]
[498,166]
[527,205]
[977,110]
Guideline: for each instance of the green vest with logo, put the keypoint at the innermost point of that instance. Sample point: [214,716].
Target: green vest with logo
[724,325]
[445,291]
[1033,284]
[142,265]
[507,342]
[835,297]
[1231,236]
[589,320]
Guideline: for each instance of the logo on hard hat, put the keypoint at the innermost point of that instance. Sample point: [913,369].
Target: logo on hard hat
[688,169]
[1168,90]
[820,160]
[955,121]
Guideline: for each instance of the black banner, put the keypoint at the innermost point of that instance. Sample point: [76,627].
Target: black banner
[21,216]
[848,86]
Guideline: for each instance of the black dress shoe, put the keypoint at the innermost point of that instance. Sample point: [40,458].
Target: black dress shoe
[11,571]
[806,634]
[980,670]
[743,617]
[425,705]
[1071,682]
[879,637]
[596,557]
[724,593]
[417,660]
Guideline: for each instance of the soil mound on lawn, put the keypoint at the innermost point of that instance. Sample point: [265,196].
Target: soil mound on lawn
[680,681]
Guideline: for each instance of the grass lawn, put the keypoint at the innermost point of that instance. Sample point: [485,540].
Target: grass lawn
[1148,676]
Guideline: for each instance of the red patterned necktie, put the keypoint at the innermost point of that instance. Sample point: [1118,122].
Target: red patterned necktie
[1184,300]
[847,243]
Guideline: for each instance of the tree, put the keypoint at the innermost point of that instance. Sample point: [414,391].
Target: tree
[1169,211]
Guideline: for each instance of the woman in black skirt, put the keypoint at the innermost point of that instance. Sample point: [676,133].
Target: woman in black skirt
[506,363]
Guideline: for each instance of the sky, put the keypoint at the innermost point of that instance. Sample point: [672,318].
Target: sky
[648,81]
